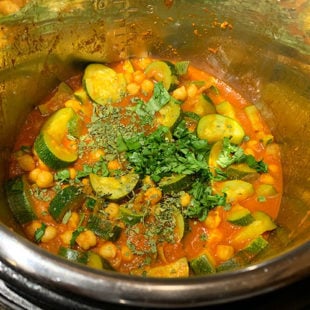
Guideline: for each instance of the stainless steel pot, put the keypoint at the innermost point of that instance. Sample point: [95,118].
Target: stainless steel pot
[259,48]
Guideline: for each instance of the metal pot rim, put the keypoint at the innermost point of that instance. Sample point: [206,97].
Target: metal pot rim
[104,286]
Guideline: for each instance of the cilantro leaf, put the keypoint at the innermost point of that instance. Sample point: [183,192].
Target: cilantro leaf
[146,110]
[232,153]
[203,201]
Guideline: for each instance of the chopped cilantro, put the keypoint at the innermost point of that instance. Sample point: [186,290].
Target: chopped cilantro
[232,153]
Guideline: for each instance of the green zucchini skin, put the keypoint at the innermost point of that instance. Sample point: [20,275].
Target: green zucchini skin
[175,183]
[201,265]
[244,256]
[47,144]
[114,188]
[88,258]
[73,255]
[69,198]
[130,217]
[104,85]
[240,217]
[47,156]
[103,228]
[19,198]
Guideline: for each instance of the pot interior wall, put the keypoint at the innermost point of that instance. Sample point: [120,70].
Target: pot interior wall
[250,47]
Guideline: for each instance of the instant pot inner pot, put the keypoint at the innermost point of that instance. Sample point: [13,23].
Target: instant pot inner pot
[261,50]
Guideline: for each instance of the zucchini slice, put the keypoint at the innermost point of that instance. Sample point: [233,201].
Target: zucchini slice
[177,269]
[161,72]
[202,265]
[69,198]
[236,190]
[225,108]
[266,190]
[96,261]
[169,115]
[130,217]
[73,255]
[200,105]
[19,198]
[179,225]
[175,183]
[49,144]
[89,258]
[244,256]
[104,85]
[240,216]
[241,171]
[214,127]
[103,228]
[114,188]
[262,223]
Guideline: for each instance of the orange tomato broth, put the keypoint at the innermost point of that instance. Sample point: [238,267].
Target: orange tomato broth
[193,242]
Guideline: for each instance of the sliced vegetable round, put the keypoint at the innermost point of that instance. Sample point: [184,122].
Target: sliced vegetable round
[240,216]
[214,127]
[129,216]
[53,145]
[104,228]
[114,188]
[103,84]
[161,72]
[236,190]
[262,223]
[19,198]
[175,183]
[202,265]
[169,115]
[67,199]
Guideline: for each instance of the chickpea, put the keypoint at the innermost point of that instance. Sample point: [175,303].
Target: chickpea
[185,199]
[224,252]
[33,175]
[66,237]
[133,88]
[86,239]
[192,90]
[267,179]
[127,255]
[96,154]
[148,181]
[128,77]
[153,195]
[147,87]
[113,210]
[215,236]
[180,93]
[45,179]
[32,227]
[138,76]
[273,168]
[49,234]
[26,162]
[213,219]
[114,165]
[108,250]
[73,220]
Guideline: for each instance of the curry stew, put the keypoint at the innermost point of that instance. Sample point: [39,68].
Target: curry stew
[147,167]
